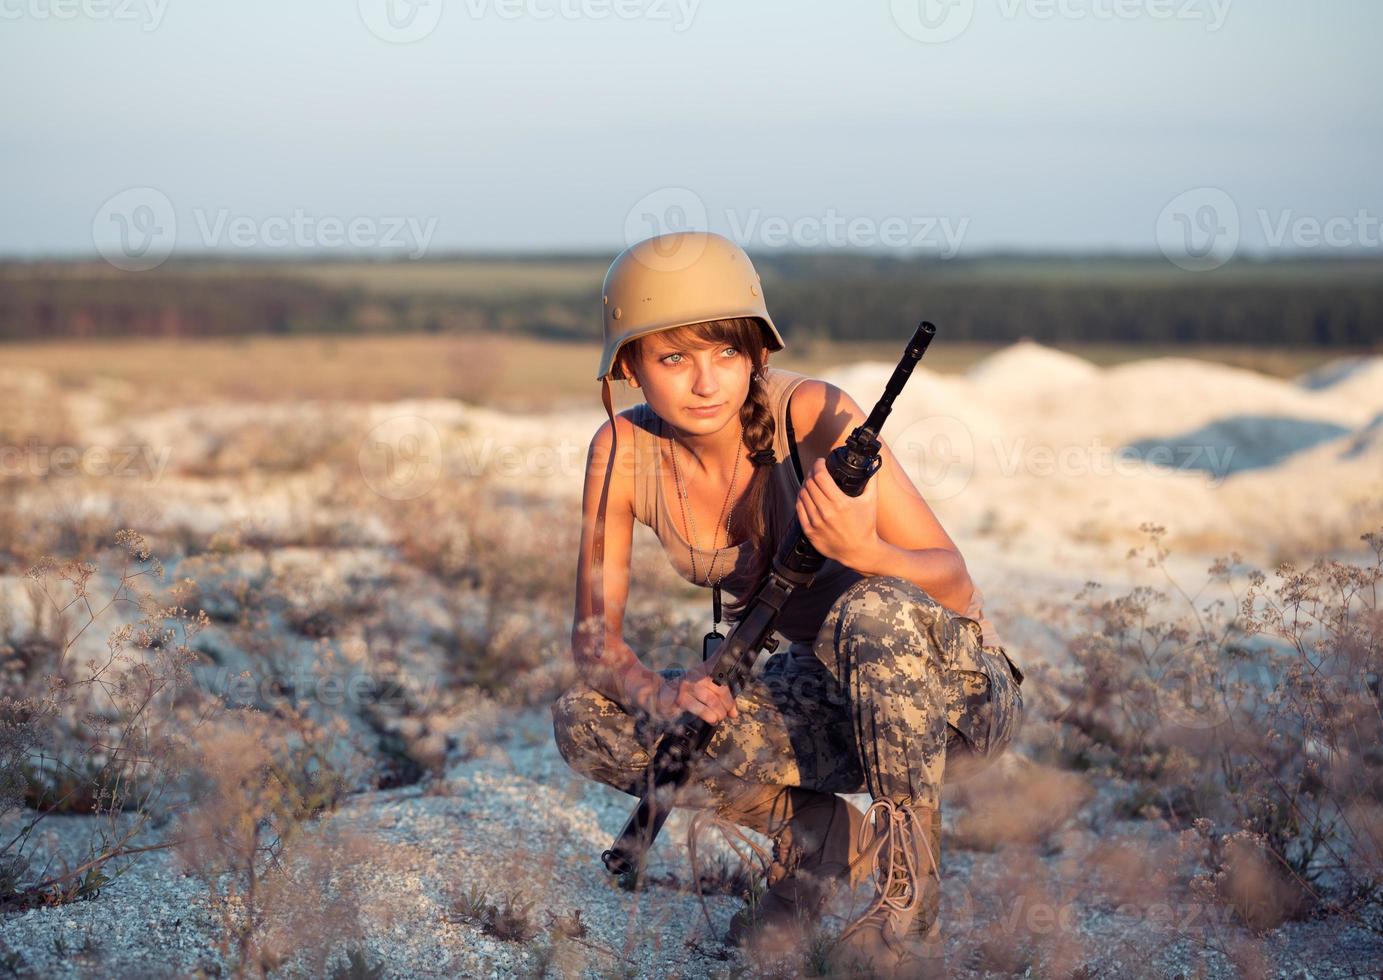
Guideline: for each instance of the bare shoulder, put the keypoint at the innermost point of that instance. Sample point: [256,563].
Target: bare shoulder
[597,461]
[823,415]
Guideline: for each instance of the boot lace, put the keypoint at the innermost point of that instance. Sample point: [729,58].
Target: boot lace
[895,831]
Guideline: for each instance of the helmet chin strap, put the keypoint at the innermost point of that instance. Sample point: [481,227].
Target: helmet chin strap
[598,544]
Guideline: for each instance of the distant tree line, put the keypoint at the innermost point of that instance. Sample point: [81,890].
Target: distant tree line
[1088,313]
[828,297]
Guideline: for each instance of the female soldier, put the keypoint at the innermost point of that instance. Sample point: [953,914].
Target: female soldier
[892,667]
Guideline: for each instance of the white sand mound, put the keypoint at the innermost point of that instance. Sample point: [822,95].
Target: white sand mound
[1166,396]
[1027,367]
[1005,451]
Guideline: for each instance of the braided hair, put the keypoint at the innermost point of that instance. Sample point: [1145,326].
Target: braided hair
[761,520]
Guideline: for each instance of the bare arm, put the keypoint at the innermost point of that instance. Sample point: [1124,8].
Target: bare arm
[911,543]
[605,661]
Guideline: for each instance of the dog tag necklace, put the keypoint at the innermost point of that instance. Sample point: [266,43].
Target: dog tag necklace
[712,639]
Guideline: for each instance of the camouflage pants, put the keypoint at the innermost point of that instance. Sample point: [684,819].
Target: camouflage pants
[895,689]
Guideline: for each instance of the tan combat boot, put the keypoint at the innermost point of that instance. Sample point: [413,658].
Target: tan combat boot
[814,837]
[898,935]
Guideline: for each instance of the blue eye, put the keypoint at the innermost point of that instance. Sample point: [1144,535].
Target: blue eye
[667,358]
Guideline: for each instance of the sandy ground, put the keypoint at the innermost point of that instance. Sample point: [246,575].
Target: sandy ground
[1025,460]
[515,813]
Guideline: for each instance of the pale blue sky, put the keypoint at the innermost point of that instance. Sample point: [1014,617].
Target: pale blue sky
[1072,131]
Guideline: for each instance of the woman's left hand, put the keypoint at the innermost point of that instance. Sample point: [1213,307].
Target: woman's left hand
[839,526]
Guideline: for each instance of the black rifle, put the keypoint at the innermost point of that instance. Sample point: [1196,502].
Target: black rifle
[794,566]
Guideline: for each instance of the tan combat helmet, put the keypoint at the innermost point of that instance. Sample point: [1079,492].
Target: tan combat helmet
[664,282]
[674,280]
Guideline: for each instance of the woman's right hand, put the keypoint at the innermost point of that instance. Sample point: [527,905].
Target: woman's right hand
[693,693]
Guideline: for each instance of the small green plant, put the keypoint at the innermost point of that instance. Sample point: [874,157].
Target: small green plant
[357,967]
[511,919]
[567,926]
[472,903]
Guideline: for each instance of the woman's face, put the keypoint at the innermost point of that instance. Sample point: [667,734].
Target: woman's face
[678,375]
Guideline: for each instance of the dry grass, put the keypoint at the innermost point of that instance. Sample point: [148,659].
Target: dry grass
[1252,725]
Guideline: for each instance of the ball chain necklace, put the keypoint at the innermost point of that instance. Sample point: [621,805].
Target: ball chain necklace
[711,639]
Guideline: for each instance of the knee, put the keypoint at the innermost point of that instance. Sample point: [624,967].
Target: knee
[575,726]
[596,737]
[891,608]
